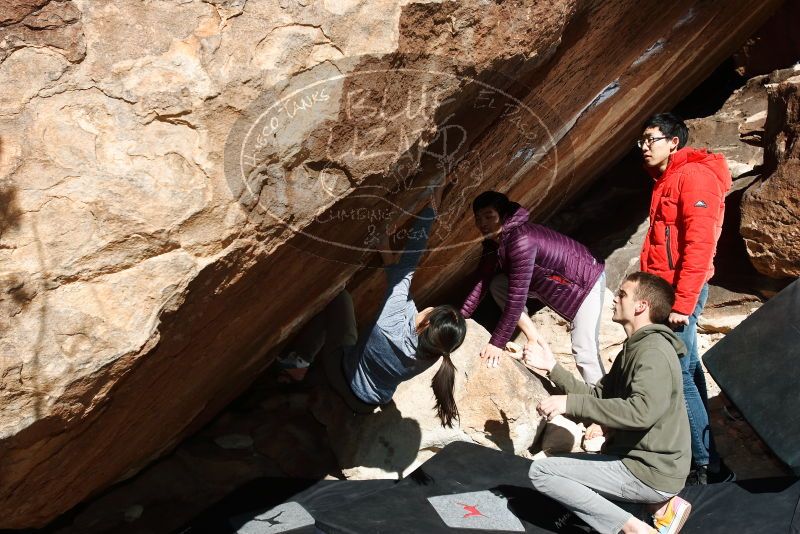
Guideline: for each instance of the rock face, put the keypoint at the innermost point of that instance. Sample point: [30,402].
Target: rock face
[770,207]
[775,45]
[164,168]
[497,408]
[737,129]
[725,309]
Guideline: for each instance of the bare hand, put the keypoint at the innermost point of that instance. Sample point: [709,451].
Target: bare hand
[539,357]
[553,406]
[677,319]
[491,354]
[594,431]
[388,256]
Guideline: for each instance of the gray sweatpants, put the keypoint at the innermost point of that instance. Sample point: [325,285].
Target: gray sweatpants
[585,482]
[584,331]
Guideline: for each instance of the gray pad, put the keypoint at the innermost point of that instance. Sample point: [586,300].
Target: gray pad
[757,365]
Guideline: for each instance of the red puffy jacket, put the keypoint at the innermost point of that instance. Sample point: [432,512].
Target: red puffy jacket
[686,212]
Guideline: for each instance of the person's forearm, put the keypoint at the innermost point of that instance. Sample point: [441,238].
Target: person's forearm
[513,309]
[632,413]
[567,382]
[474,298]
[389,257]
[418,233]
[526,325]
[688,285]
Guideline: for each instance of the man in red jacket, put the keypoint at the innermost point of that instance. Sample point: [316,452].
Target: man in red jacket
[686,212]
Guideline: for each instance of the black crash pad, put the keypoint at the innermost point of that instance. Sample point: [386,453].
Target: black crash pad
[469,479]
[466,473]
[479,488]
[260,500]
[769,505]
[757,365]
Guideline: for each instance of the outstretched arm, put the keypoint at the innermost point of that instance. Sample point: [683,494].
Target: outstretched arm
[481,279]
[388,255]
[647,401]
[400,272]
[521,259]
[539,358]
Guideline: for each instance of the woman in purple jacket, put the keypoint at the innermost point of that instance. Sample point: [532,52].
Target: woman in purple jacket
[524,260]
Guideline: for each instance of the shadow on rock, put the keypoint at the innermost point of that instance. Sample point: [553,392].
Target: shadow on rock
[377,445]
[499,432]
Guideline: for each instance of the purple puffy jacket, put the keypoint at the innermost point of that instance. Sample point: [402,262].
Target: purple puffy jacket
[540,263]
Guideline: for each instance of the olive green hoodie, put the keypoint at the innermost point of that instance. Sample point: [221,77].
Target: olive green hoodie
[641,400]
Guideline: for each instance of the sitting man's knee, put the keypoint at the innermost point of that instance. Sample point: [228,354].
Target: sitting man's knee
[538,473]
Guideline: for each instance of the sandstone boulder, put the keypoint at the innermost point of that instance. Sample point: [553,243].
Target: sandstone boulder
[497,408]
[775,45]
[560,435]
[770,207]
[725,309]
[737,129]
[144,283]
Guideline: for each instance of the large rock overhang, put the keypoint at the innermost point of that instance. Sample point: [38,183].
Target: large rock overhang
[147,280]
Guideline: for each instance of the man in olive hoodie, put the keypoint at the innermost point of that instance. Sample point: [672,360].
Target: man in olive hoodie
[647,453]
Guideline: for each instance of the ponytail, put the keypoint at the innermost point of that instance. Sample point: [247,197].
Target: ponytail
[443,384]
[444,334]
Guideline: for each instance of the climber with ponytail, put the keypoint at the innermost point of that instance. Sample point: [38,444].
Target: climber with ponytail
[444,331]
[401,343]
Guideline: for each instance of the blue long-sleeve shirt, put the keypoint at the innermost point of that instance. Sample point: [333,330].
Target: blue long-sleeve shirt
[387,355]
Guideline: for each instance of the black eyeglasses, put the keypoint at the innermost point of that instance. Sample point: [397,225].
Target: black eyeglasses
[649,141]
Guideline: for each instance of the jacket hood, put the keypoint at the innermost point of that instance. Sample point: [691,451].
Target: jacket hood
[714,162]
[661,330]
[518,217]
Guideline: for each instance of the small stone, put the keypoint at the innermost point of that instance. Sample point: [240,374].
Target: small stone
[234,441]
[133,513]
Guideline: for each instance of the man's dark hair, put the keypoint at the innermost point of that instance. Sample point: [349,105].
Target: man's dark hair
[656,291]
[492,199]
[670,125]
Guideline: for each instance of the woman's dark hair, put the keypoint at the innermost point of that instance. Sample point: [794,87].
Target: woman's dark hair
[444,334]
[492,199]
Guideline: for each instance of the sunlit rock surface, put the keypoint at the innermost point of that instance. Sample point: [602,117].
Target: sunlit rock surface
[770,207]
[183,184]
[497,408]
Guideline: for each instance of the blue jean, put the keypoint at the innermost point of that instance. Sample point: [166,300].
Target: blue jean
[694,387]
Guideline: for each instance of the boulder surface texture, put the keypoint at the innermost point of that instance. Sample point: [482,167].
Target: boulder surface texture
[771,207]
[497,409]
[183,184]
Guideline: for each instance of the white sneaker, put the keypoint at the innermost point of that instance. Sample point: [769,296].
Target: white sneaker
[674,516]
[293,360]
